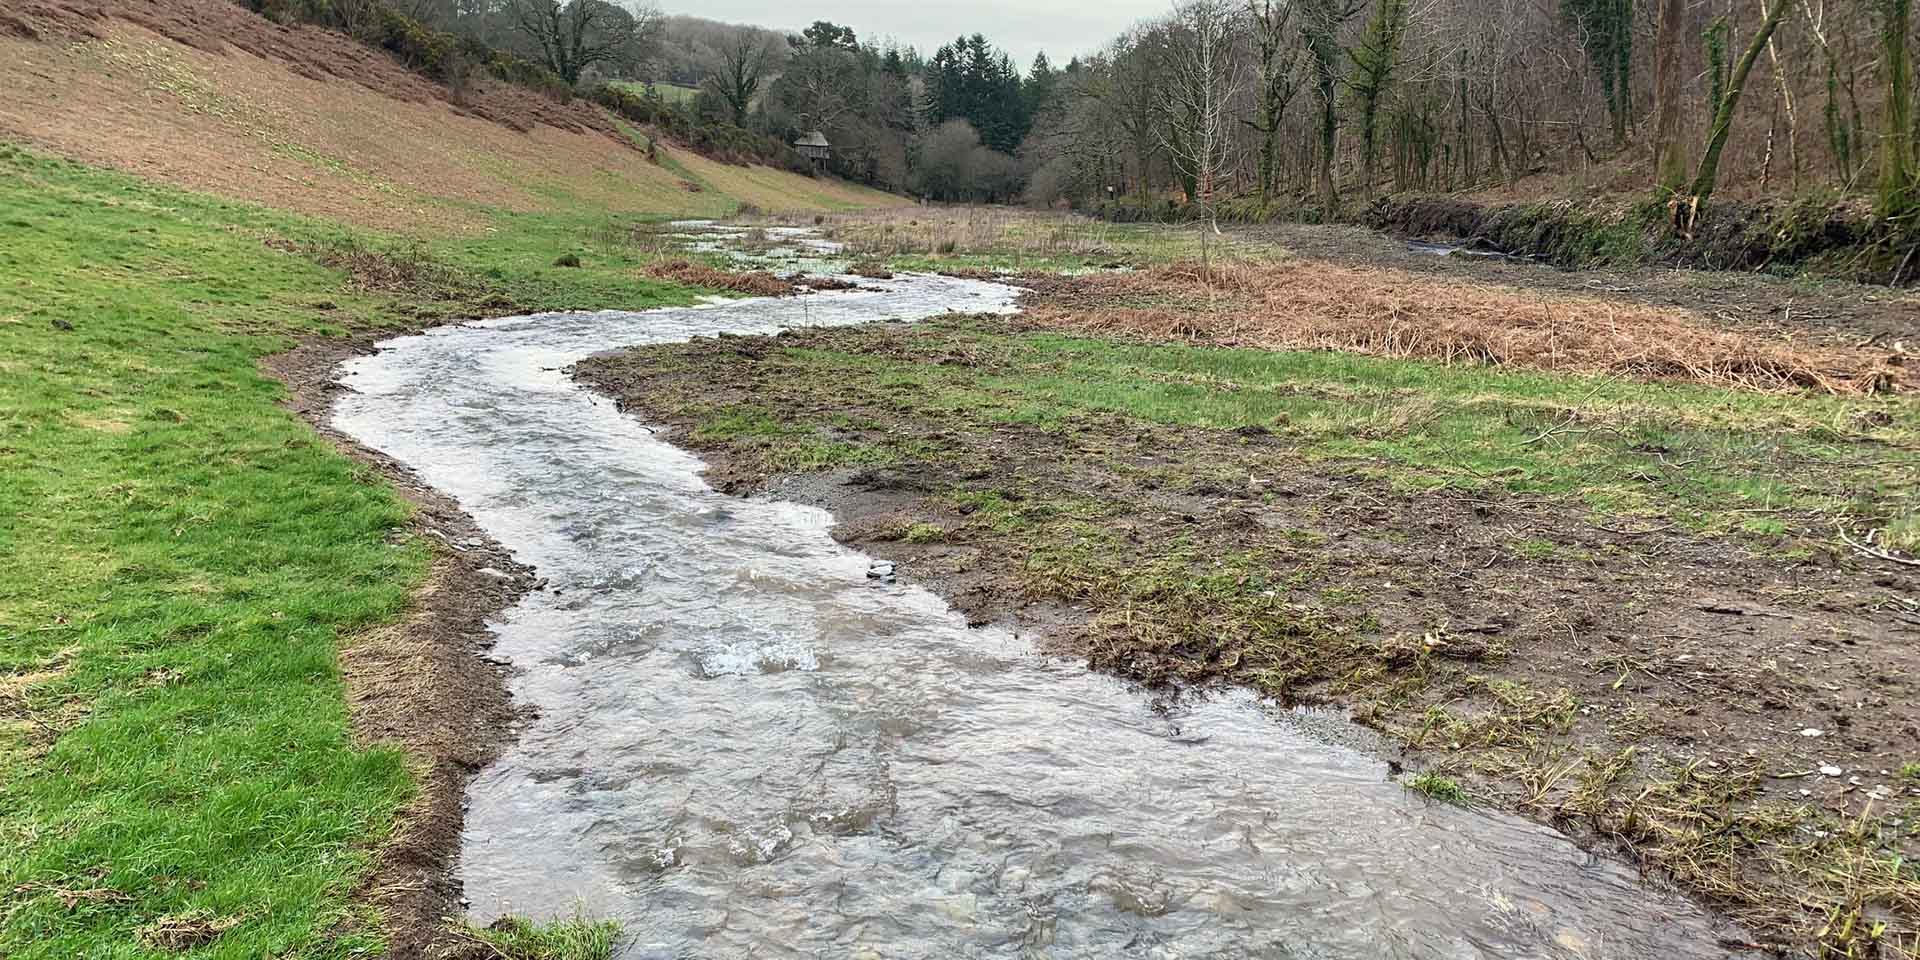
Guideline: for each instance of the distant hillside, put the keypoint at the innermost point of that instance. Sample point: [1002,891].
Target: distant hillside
[204,94]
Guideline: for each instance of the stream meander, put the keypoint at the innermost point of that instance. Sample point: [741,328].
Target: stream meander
[747,747]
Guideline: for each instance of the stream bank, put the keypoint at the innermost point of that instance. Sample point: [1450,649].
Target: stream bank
[751,739]
[1624,650]
[1719,710]
[428,683]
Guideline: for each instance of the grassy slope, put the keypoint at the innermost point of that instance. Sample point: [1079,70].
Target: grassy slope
[377,148]
[179,559]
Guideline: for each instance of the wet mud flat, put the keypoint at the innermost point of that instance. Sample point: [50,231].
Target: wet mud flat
[1736,713]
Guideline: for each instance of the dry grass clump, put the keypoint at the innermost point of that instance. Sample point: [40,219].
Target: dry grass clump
[179,933]
[755,283]
[971,231]
[1391,313]
[406,269]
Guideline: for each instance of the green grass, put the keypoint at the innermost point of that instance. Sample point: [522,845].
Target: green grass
[1707,457]
[924,533]
[180,559]
[573,938]
[1437,787]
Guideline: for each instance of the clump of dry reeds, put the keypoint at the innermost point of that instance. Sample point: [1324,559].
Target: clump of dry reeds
[756,283]
[970,231]
[1391,313]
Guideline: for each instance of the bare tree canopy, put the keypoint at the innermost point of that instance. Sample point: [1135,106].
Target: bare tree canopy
[739,66]
[583,34]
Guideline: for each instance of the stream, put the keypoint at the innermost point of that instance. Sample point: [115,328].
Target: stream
[748,747]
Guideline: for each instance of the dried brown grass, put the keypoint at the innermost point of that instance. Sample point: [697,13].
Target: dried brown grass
[756,283]
[1390,313]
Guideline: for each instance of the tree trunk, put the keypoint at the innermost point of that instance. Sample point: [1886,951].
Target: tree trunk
[1897,175]
[1704,178]
[1669,150]
[1329,130]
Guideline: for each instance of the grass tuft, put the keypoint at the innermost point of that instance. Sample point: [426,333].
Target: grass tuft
[1436,787]
[569,938]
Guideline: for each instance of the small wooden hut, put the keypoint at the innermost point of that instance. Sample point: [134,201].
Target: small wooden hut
[815,148]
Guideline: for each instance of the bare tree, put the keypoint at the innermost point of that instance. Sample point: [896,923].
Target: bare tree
[1705,178]
[1202,77]
[1669,151]
[739,66]
[1320,24]
[1277,55]
[586,33]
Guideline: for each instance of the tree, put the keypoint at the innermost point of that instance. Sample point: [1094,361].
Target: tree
[1374,60]
[819,84]
[1727,101]
[1202,78]
[951,164]
[1669,152]
[1898,177]
[739,67]
[1606,34]
[825,33]
[1039,89]
[1276,57]
[587,33]
[972,80]
[1133,103]
[1320,24]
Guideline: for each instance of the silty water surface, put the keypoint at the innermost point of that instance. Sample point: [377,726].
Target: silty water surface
[746,747]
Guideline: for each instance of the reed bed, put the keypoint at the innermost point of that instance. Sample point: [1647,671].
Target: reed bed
[1390,313]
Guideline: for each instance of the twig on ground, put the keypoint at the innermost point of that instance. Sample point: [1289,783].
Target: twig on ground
[1867,549]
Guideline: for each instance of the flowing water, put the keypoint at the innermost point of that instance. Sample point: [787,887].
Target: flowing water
[747,747]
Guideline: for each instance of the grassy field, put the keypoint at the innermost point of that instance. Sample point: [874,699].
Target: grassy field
[180,558]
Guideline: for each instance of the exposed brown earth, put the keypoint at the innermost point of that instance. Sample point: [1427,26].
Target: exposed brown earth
[1644,687]
[207,95]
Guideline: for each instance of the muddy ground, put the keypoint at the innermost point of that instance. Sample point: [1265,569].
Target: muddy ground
[426,683]
[1741,718]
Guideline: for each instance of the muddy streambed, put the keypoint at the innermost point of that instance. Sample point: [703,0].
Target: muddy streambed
[748,745]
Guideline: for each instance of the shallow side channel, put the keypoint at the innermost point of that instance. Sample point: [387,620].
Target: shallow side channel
[746,747]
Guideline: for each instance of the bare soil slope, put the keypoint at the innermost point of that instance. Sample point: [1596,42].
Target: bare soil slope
[207,95]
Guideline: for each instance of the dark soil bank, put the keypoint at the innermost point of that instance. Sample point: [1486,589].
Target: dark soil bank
[1731,712]
[424,684]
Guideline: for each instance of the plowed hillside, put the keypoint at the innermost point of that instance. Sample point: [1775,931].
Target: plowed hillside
[207,95]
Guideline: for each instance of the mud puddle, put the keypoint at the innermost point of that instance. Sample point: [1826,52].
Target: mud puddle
[748,746]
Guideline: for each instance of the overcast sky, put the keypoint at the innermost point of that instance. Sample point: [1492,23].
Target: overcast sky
[1063,28]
